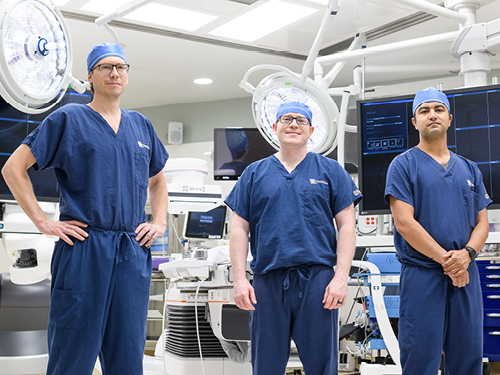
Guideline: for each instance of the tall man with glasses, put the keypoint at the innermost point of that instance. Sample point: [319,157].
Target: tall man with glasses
[288,203]
[105,159]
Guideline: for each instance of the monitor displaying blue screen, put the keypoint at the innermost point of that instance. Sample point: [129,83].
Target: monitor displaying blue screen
[208,224]
[385,130]
[14,128]
[235,149]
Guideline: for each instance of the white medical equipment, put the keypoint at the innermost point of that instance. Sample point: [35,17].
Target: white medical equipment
[383,271]
[201,320]
[28,249]
[186,189]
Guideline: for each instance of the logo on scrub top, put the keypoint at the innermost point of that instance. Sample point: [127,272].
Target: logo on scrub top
[470,183]
[314,182]
[142,145]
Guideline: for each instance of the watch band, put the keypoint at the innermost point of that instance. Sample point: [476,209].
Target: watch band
[472,253]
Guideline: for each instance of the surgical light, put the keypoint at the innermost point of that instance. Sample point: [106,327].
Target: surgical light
[36,54]
[285,86]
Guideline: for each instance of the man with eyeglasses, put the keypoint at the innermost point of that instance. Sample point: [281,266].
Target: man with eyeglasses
[288,204]
[105,160]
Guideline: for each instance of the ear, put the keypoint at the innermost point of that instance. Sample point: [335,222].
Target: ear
[89,77]
[275,128]
[311,131]
[414,122]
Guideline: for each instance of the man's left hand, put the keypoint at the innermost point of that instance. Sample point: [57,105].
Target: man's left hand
[147,233]
[335,294]
[456,262]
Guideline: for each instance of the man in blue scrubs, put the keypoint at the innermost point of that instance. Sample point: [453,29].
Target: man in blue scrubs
[439,202]
[288,204]
[105,160]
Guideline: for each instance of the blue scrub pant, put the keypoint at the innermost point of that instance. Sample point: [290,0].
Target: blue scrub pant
[289,306]
[99,304]
[436,316]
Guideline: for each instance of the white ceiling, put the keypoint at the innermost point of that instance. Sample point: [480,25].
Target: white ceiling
[164,61]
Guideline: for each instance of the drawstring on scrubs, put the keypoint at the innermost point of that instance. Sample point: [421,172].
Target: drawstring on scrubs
[123,251]
[304,275]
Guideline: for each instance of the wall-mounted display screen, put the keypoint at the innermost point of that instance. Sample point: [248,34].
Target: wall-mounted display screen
[235,149]
[14,128]
[385,130]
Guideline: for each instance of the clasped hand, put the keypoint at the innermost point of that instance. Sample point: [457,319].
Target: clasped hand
[455,266]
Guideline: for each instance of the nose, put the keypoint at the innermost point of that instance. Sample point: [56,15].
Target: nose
[114,71]
[432,113]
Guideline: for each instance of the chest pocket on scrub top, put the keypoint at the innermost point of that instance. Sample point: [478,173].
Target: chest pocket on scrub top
[315,203]
[471,206]
[141,164]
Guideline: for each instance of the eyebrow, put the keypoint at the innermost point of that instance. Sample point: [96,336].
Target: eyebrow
[440,105]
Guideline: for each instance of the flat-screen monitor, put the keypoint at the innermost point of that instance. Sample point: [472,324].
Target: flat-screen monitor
[14,128]
[209,224]
[237,148]
[385,130]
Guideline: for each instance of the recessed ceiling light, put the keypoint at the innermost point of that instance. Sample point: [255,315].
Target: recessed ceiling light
[171,17]
[263,20]
[203,81]
[103,7]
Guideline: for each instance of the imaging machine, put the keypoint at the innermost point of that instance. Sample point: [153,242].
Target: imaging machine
[204,330]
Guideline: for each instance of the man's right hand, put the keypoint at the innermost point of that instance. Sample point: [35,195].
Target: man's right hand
[244,295]
[64,229]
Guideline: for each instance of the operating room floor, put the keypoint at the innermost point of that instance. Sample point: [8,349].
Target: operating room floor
[495,370]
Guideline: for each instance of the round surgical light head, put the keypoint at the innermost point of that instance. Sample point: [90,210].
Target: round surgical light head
[35,52]
[282,87]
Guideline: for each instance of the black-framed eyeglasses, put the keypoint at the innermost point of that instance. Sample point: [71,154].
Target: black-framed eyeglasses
[287,120]
[106,69]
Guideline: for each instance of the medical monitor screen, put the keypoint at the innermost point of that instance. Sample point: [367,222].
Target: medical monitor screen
[14,128]
[237,148]
[385,130]
[208,224]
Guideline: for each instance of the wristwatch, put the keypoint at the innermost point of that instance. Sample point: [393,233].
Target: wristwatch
[472,253]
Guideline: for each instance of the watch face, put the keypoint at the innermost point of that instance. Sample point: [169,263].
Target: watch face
[472,252]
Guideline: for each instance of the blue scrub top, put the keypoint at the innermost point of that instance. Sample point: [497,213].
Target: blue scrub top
[103,177]
[291,214]
[446,202]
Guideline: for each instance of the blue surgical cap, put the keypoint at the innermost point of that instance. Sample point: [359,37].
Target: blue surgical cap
[430,94]
[237,140]
[294,107]
[104,50]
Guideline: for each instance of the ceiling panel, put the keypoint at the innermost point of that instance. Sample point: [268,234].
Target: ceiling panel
[165,61]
